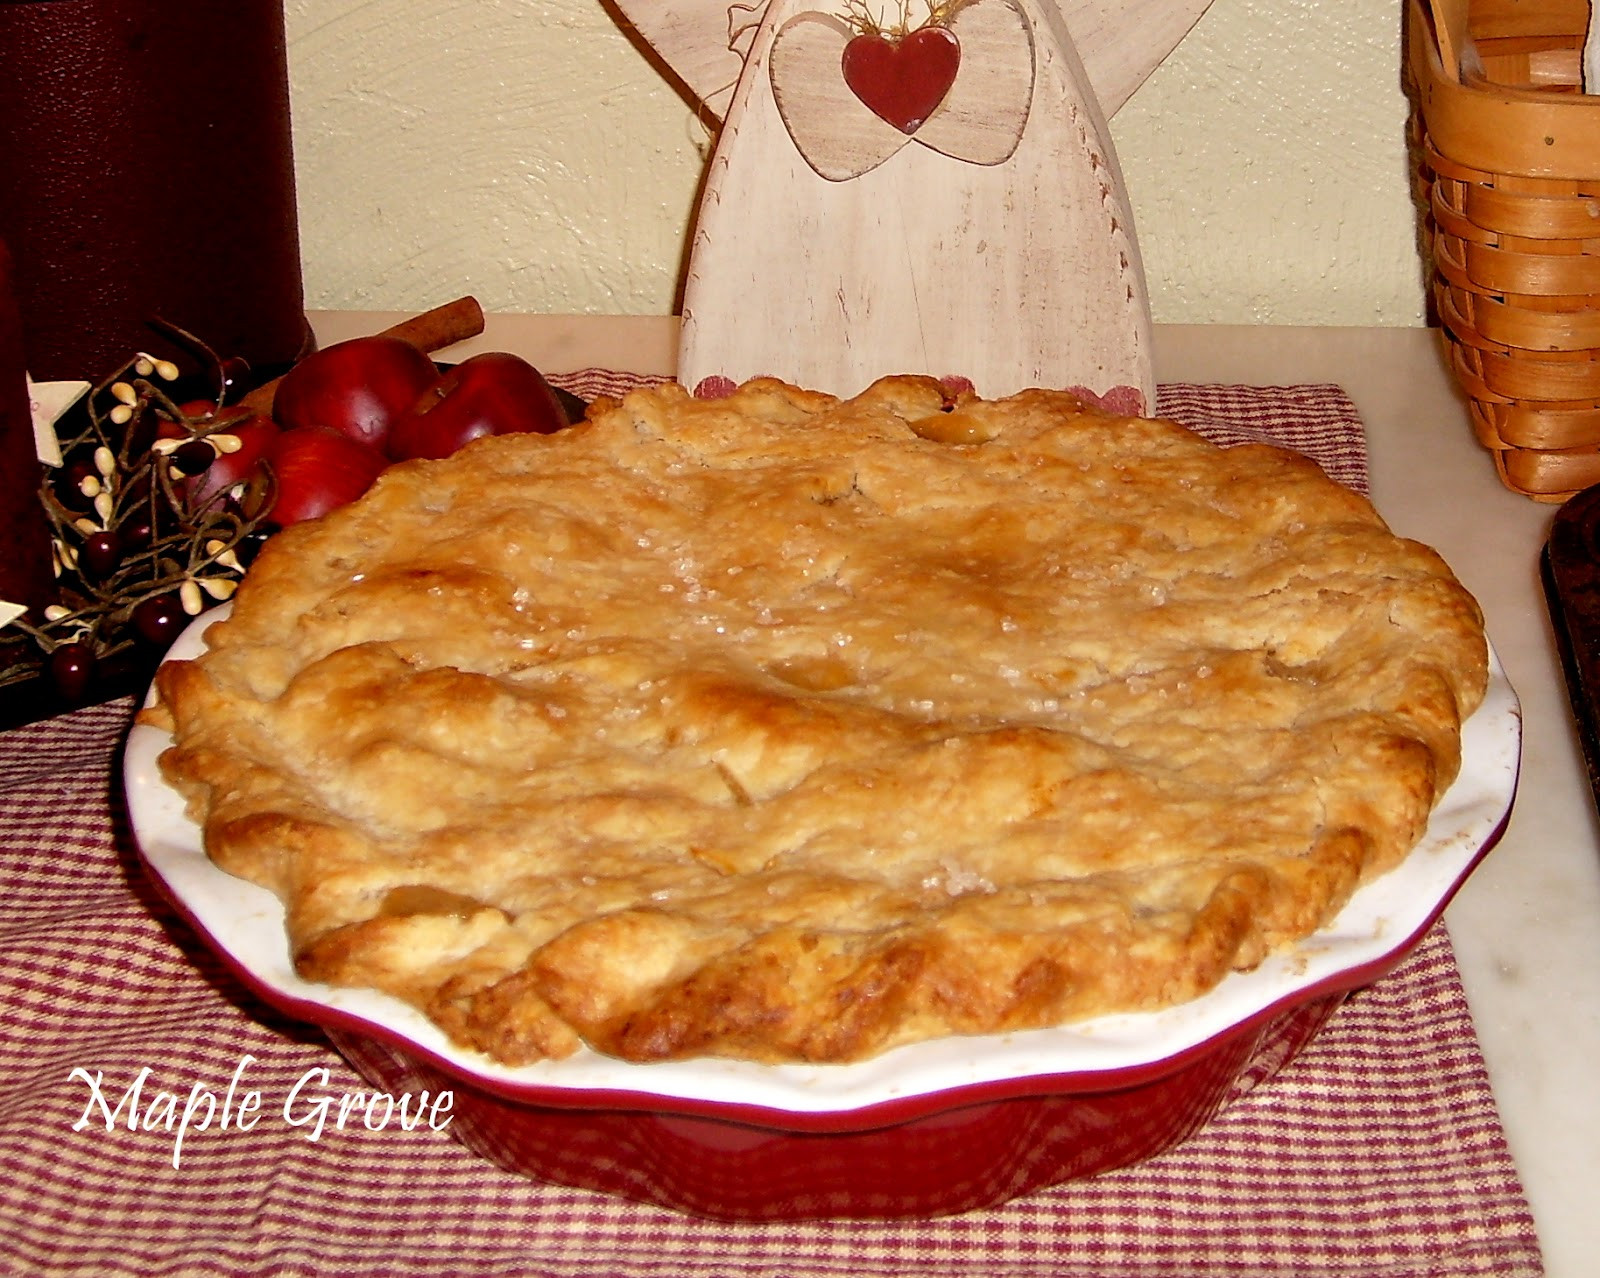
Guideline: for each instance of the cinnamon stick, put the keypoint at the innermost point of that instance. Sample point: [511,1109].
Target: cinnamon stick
[442,326]
[430,331]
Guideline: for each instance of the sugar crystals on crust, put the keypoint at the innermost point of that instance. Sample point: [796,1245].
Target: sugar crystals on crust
[789,728]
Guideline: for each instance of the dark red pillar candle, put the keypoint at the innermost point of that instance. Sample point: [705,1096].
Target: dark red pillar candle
[24,532]
[148,171]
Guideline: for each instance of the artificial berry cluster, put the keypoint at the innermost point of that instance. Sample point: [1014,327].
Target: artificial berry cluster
[161,502]
[141,540]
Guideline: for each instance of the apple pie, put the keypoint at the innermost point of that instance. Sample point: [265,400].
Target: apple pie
[791,728]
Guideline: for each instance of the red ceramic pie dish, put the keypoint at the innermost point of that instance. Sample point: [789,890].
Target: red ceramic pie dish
[957,1151]
[929,1129]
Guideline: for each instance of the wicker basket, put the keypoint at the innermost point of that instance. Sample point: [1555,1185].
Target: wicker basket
[1509,151]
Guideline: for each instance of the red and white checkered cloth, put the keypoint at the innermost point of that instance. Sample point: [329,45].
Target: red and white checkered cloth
[1319,421]
[1378,1152]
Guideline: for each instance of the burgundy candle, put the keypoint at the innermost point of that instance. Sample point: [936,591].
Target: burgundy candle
[24,532]
[148,171]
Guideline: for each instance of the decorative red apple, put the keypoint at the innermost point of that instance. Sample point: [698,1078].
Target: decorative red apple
[228,455]
[495,393]
[200,411]
[342,414]
[230,466]
[358,387]
[316,469]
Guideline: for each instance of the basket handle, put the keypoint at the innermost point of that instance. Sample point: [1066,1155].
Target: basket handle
[1450,30]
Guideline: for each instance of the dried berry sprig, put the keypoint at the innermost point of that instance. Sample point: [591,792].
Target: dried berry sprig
[138,545]
[864,19]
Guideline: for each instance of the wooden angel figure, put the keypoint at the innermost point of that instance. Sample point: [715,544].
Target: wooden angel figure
[930,191]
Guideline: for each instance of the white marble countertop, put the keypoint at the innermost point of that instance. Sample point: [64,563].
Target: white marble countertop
[1526,926]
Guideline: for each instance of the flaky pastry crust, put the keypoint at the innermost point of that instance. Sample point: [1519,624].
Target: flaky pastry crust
[786,728]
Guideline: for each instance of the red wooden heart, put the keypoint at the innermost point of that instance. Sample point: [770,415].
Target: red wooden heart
[902,81]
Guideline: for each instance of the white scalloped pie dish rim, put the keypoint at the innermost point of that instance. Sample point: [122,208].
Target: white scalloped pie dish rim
[1381,922]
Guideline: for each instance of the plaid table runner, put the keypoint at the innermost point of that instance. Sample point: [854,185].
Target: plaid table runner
[1378,1152]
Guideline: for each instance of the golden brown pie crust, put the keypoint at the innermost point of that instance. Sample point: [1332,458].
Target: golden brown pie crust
[787,728]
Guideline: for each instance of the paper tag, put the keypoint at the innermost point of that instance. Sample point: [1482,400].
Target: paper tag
[49,400]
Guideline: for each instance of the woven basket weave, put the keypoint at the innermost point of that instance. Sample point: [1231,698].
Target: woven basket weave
[1509,151]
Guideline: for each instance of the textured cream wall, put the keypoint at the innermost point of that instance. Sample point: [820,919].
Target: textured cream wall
[525,152]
